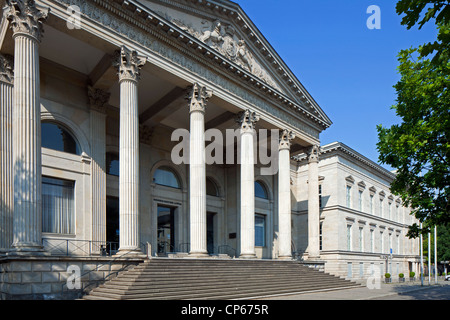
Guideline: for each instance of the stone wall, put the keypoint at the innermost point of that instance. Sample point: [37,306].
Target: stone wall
[46,278]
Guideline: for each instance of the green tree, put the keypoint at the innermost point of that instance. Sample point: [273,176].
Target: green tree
[419,147]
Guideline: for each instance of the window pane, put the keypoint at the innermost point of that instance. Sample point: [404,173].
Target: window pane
[165,177]
[58,138]
[57,206]
[260,230]
[112,164]
[260,191]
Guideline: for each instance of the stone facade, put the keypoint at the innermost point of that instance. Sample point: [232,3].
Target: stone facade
[92,96]
[360,221]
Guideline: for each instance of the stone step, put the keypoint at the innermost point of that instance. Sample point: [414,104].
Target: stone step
[178,279]
[216,294]
[125,290]
[213,279]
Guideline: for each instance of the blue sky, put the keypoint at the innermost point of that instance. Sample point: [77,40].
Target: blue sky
[349,69]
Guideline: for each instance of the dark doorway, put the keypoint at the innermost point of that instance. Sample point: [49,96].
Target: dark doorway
[210,232]
[112,224]
[166,230]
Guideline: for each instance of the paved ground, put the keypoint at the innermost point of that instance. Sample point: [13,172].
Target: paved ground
[394,291]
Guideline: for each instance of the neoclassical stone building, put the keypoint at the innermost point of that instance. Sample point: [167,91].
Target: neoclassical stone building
[92,95]
[363,226]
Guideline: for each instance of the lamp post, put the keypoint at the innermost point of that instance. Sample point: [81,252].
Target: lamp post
[421,257]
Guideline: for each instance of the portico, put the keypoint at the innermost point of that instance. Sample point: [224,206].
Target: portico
[119,82]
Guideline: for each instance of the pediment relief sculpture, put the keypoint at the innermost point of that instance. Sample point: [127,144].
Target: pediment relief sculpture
[223,38]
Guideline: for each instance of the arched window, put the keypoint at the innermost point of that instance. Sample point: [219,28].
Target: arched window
[112,163]
[56,137]
[211,188]
[165,176]
[260,191]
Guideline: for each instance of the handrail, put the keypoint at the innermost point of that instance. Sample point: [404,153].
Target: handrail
[83,288]
[70,247]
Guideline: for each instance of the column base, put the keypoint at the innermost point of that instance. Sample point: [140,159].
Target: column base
[198,255]
[248,256]
[27,250]
[130,253]
[285,258]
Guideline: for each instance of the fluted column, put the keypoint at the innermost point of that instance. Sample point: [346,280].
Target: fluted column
[129,64]
[6,156]
[26,20]
[198,97]
[313,203]
[284,195]
[98,100]
[247,121]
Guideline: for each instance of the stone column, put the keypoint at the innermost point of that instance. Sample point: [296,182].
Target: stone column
[284,195]
[129,64]
[197,97]
[26,20]
[6,156]
[247,121]
[313,203]
[98,100]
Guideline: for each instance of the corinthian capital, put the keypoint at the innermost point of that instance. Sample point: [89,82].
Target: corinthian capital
[198,97]
[247,120]
[313,154]
[286,136]
[6,69]
[128,64]
[26,17]
[98,99]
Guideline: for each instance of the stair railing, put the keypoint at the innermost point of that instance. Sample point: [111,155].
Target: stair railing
[84,285]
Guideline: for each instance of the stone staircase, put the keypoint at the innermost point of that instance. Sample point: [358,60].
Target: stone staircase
[215,279]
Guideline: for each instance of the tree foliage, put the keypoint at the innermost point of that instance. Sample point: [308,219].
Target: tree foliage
[419,147]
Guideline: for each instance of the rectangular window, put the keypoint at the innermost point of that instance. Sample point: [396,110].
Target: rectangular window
[372,247]
[381,208]
[320,235]
[361,239]
[389,210]
[381,242]
[58,212]
[349,237]
[371,204]
[390,243]
[260,230]
[349,198]
[320,196]
[360,200]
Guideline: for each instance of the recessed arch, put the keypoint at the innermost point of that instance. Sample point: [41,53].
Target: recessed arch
[72,128]
[56,136]
[261,190]
[212,188]
[174,169]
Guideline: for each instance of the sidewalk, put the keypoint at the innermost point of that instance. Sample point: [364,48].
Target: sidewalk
[390,291]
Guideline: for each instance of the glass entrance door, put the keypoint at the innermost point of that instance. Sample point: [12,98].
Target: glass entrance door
[166,230]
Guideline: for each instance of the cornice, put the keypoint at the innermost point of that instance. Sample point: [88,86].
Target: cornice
[143,17]
[339,147]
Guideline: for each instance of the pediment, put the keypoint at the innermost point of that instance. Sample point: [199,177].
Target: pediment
[221,35]
[225,28]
